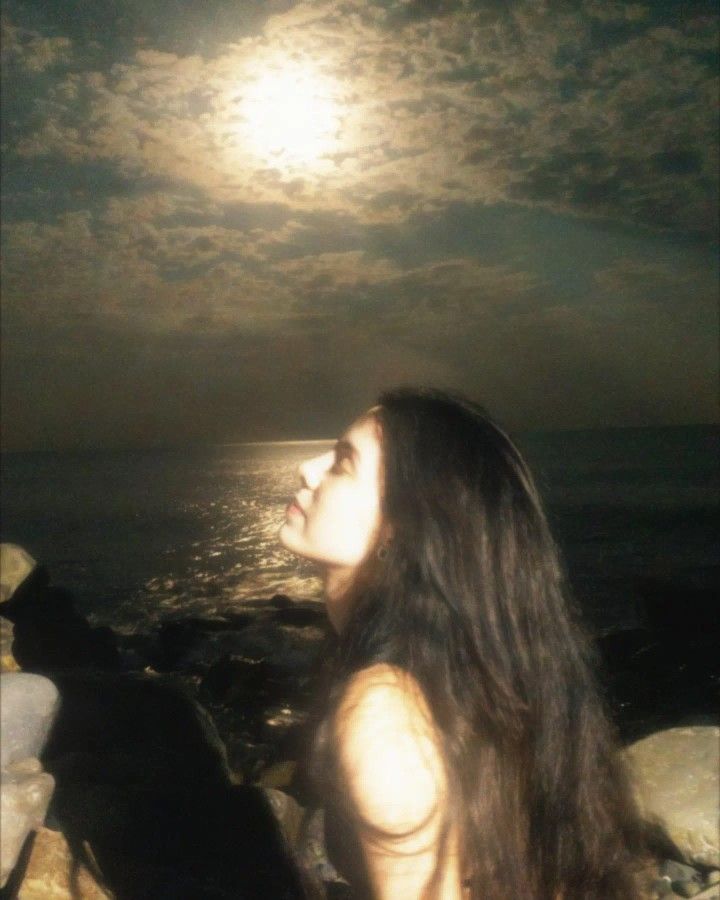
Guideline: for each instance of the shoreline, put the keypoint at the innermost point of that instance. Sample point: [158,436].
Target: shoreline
[207,712]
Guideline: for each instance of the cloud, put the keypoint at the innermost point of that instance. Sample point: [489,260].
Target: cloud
[494,210]
[31,51]
[532,107]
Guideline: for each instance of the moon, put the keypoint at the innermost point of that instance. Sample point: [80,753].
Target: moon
[290,117]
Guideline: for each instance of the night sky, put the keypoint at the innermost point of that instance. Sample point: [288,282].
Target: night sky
[230,220]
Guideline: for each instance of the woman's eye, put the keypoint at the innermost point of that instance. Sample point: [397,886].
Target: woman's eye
[341,465]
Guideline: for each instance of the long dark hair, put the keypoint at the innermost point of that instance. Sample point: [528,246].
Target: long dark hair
[469,598]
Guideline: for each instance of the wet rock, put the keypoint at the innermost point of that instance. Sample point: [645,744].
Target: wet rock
[235,679]
[287,649]
[237,621]
[677,782]
[174,641]
[299,616]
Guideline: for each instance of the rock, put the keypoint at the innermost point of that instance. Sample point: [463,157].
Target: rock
[713,877]
[677,781]
[288,649]
[288,813]
[279,775]
[133,723]
[142,778]
[677,871]
[28,704]
[50,634]
[299,616]
[661,887]
[236,680]
[24,800]
[686,888]
[708,893]
[8,662]
[52,873]
[15,565]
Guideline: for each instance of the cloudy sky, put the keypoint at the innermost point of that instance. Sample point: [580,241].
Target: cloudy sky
[237,219]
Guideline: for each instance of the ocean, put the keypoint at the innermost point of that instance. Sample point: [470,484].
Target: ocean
[141,537]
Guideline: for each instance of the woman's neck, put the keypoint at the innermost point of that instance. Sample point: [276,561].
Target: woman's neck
[337,582]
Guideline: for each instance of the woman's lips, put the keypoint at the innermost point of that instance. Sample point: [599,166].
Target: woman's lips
[293,509]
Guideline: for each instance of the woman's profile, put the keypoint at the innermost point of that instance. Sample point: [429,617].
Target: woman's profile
[463,750]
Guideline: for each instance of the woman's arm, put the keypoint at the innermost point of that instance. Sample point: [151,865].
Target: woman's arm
[392,766]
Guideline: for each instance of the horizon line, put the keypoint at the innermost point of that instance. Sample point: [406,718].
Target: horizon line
[177,445]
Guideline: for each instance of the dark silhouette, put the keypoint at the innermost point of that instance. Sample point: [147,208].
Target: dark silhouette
[141,774]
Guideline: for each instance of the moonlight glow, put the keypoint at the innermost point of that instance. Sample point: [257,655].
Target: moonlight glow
[289,117]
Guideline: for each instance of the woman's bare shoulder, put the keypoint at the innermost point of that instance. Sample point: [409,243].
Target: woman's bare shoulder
[389,751]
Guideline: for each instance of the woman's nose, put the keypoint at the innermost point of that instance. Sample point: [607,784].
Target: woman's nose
[312,470]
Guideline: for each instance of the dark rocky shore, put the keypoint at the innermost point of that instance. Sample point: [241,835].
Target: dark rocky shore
[162,739]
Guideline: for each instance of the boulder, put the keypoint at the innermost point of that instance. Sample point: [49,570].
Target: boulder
[142,779]
[28,704]
[15,565]
[677,785]
[24,799]
[54,874]
[50,634]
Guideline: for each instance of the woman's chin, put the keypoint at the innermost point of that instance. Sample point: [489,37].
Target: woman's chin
[288,537]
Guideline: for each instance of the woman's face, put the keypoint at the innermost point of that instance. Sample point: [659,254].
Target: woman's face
[334,518]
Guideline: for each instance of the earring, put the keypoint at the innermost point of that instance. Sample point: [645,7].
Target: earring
[382,551]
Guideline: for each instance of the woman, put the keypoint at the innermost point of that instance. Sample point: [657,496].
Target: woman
[463,751]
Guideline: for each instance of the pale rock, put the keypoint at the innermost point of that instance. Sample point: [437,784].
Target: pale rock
[28,704]
[678,784]
[24,800]
[15,566]
[52,874]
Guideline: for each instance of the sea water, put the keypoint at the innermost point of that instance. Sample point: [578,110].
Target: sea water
[144,536]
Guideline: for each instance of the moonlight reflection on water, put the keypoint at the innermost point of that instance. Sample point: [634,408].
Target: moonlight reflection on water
[238,505]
